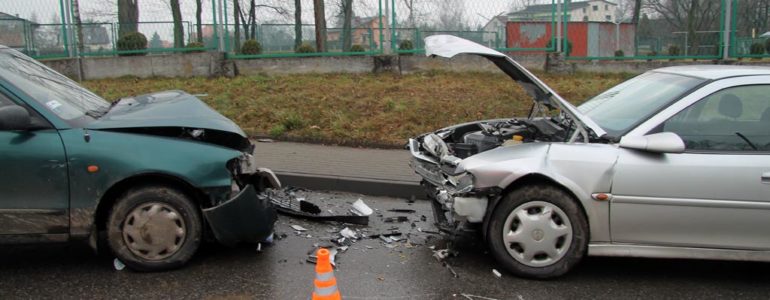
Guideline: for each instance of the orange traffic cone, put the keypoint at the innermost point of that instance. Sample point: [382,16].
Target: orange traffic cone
[325,283]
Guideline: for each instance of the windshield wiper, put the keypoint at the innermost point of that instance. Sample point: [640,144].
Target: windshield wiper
[747,140]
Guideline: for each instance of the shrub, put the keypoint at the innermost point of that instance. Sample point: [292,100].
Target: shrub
[357,48]
[199,47]
[251,47]
[619,53]
[673,50]
[277,130]
[406,45]
[305,48]
[757,48]
[292,121]
[653,53]
[132,41]
[767,45]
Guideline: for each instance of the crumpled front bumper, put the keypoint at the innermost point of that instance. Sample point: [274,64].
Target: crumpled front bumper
[451,208]
[249,216]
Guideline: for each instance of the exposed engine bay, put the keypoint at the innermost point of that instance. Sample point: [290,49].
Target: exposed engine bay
[472,138]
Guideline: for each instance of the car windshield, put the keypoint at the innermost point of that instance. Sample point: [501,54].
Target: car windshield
[626,105]
[54,91]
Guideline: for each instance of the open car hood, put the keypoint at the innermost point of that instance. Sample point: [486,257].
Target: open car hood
[448,46]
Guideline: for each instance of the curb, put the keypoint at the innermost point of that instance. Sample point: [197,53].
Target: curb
[366,186]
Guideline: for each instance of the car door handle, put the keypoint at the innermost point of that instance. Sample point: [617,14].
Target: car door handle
[766,178]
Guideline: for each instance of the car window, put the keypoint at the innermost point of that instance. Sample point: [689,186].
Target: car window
[626,105]
[55,92]
[733,119]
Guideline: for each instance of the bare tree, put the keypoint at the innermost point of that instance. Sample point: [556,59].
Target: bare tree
[236,16]
[176,15]
[347,33]
[128,16]
[451,15]
[518,5]
[297,23]
[199,26]
[320,25]
[690,16]
[637,11]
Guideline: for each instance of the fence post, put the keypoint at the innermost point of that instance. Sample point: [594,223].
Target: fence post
[727,29]
[559,19]
[386,45]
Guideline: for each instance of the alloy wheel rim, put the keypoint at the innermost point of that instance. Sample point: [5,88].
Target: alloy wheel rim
[154,231]
[537,234]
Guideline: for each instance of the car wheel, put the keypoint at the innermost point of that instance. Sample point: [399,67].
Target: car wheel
[154,228]
[538,232]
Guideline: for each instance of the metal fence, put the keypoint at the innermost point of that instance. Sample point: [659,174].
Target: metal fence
[245,29]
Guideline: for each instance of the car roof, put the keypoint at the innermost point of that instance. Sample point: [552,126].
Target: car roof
[715,72]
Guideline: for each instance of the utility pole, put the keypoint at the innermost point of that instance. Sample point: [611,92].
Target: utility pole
[386,44]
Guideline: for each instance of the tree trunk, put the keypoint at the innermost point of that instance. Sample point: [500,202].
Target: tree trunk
[199,26]
[128,16]
[253,20]
[176,15]
[236,16]
[691,28]
[320,25]
[78,25]
[637,11]
[297,23]
[347,39]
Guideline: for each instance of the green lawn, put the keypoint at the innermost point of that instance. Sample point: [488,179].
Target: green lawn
[360,109]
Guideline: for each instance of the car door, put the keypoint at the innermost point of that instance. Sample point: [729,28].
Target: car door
[33,179]
[716,193]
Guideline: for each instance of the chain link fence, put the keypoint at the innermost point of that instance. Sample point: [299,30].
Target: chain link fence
[593,30]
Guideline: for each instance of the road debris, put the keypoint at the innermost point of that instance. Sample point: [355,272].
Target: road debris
[360,208]
[400,210]
[288,203]
[265,140]
[259,247]
[312,258]
[119,266]
[474,297]
[399,219]
[298,228]
[497,273]
[349,233]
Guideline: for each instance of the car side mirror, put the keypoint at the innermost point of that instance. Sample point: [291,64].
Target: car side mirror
[664,142]
[14,117]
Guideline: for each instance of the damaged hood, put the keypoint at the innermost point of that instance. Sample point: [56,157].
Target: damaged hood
[448,46]
[165,109]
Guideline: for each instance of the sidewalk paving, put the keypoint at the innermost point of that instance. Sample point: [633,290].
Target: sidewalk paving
[374,172]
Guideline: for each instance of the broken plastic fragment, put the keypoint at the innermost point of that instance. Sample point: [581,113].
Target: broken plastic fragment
[298,228]
[497,273]
[399,219]
[360,208]
[259,247]
[406,211]
[349,233]
[118,265]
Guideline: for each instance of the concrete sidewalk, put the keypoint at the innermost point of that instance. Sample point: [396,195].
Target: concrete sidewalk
[373,172]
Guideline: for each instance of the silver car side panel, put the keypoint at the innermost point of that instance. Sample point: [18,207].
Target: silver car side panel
[630,250]
[583,169]
[688,100]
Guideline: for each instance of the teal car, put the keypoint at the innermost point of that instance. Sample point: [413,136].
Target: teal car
[154,175]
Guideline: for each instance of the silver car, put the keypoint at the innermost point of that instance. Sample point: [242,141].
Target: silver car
[672,163]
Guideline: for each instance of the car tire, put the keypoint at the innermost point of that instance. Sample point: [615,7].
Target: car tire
[154,228]
[538,231]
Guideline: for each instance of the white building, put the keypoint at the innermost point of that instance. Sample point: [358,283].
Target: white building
[583,11]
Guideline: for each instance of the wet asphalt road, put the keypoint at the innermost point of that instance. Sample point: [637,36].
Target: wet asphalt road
[367,270]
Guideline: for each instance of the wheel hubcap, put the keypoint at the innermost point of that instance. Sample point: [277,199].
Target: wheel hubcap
[537,234]
[154,231]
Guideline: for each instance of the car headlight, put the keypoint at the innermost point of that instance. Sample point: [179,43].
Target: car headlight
[435,145]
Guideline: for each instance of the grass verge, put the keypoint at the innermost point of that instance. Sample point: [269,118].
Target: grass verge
[360,109]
